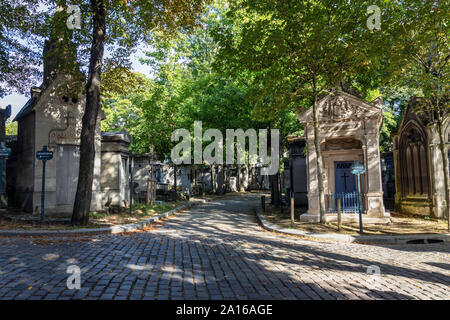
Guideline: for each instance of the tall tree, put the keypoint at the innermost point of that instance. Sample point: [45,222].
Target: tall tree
[298,50]
[21,24]
[124,24]
[422,48]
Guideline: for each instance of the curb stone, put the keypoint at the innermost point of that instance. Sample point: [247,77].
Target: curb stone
[363,239]
[107,230]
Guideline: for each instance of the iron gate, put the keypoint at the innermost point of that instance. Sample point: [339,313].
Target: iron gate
[349,202]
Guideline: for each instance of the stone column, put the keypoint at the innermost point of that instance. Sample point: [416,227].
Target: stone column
[437,181]
[313,214]
[398,184]
[96,200]
[375,206]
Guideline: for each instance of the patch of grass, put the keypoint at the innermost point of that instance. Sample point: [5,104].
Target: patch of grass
[98,215]
[27,226]
[140,212]
[97,219]
[400,224]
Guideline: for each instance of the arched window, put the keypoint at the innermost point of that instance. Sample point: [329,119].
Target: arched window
[424,170]
[413,160]
[416,173]
[410,170]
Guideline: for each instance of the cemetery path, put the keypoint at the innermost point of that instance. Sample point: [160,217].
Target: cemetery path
[217,251]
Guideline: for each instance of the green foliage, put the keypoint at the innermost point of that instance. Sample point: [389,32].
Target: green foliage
[395,100]
[26,23]
[11,128]
[187,88]
[423,48]
[19,59]
[296,49]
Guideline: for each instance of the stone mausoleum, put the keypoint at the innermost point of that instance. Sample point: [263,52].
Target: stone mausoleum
[52,117]
[115,168]
[418,163]
[349,132]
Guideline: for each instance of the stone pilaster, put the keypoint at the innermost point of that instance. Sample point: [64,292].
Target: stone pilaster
[313,213]
[374,195]
[398,185]
[438,185]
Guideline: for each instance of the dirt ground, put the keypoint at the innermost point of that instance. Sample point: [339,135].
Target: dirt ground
[400,224]
[97,219]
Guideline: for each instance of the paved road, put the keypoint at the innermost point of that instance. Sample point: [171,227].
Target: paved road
[217,251]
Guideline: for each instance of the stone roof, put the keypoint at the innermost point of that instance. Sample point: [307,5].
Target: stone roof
[342,106]
[27,108]
[118,136]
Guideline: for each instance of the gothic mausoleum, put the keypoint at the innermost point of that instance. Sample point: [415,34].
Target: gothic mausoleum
[418,163]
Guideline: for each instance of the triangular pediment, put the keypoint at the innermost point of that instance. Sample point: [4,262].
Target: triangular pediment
[341,106]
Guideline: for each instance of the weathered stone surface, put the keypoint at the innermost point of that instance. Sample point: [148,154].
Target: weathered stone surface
[419,165]
[115,169]
[349,132]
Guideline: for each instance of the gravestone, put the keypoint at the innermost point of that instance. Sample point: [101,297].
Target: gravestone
[295,167]
[388,179]
[115,168]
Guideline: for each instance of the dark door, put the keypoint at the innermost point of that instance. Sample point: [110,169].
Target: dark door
[343,177]
[67,164]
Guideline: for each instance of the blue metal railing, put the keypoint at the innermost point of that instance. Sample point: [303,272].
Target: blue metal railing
[349,202]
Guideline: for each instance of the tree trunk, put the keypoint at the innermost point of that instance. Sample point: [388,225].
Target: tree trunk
[271,190]
[152,176]
[445,166]
[83,196]
[175,180]
[318,158]
[213,179]
[275,190]
[148,191]
[238,178]
[227,178]
[219,180]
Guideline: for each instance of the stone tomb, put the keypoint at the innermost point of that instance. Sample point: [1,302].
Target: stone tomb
[349,131]
[53,120]
[295,166]
[115,168]
[418,164]
[388,180]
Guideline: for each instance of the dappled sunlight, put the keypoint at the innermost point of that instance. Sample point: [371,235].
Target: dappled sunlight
[135,267]
[219,243]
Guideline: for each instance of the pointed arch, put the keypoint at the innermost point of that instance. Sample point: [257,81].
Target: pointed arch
[414,172]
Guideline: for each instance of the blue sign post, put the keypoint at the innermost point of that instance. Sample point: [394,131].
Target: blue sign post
[358,169]
[43,155]
[4,153]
